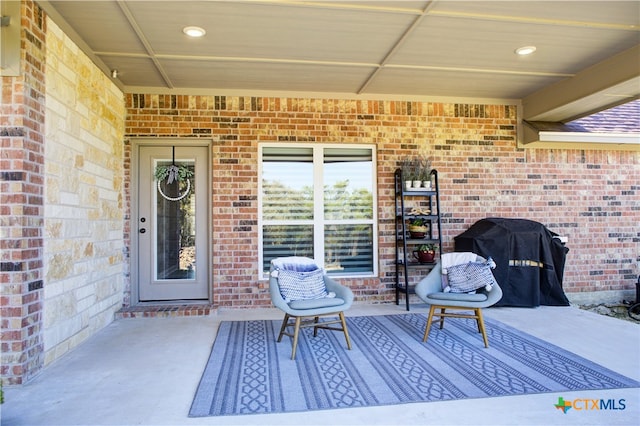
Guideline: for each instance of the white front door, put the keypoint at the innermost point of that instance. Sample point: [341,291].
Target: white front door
[172,224]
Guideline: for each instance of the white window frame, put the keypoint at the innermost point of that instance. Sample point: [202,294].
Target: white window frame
[319,222]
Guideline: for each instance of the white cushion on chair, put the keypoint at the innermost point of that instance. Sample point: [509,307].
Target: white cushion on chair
[459,297]
[294,263]
[456,258]
[325,302]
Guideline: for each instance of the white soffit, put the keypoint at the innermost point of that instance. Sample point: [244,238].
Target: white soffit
[582,137]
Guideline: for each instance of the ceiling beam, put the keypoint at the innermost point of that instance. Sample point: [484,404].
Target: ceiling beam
[536,20]
[143,39]
[601,86]
[410,29]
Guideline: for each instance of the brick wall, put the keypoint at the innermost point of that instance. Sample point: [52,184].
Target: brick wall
[83,215]
[590,196]
[21,205]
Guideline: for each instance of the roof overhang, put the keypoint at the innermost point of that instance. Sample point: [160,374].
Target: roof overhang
[609,83]
[539,134]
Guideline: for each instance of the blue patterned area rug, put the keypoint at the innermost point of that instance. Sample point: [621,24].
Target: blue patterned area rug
[250,373]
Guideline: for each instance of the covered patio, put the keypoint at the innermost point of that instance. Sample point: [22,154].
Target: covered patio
[145,371]
[79,121]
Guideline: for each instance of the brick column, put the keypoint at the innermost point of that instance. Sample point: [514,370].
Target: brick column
[21,205]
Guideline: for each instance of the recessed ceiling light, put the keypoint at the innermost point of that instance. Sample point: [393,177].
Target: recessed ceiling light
[525,50]
[194,31]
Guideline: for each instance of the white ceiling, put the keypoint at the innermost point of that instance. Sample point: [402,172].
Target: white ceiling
[415,49]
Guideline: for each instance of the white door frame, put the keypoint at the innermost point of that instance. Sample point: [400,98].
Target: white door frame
[136,143]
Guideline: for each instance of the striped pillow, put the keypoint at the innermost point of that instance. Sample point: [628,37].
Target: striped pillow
[471,276]
[296,285]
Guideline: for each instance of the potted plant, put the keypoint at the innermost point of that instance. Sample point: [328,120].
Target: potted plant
[425,253]
[425,172]
[417,227]
[408,172]
[416,172]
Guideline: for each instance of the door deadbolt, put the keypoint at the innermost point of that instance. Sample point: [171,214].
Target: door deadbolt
[143,230]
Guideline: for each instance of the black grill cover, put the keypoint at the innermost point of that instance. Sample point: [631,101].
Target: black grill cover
[525,244]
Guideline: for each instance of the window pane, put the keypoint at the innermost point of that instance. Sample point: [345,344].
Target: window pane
[287,183]
[296,205]
[348,248]
[286,240]
[348,186]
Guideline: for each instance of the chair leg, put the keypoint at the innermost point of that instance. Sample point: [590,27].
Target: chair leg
[477,316]
[346,331]
[428,327]
[316,324]
[296,331]
[284,326]
[315,329]
[481,327]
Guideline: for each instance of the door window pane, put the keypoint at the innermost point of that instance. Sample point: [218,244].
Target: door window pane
[176,233]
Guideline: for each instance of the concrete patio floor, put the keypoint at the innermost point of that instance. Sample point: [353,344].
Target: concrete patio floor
[145,372]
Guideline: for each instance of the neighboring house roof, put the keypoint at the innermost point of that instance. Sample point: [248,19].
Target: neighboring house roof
[623,118]
[618,126]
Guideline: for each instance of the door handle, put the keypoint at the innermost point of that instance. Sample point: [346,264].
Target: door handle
[142,230]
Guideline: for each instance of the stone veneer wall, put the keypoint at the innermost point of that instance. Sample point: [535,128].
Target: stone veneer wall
[83,213]
[61,208]
[590,196]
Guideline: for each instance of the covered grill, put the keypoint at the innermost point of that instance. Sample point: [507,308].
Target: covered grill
[530,259]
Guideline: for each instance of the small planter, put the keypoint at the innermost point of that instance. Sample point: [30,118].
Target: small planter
[425,256]
[425,253]
[417,231]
